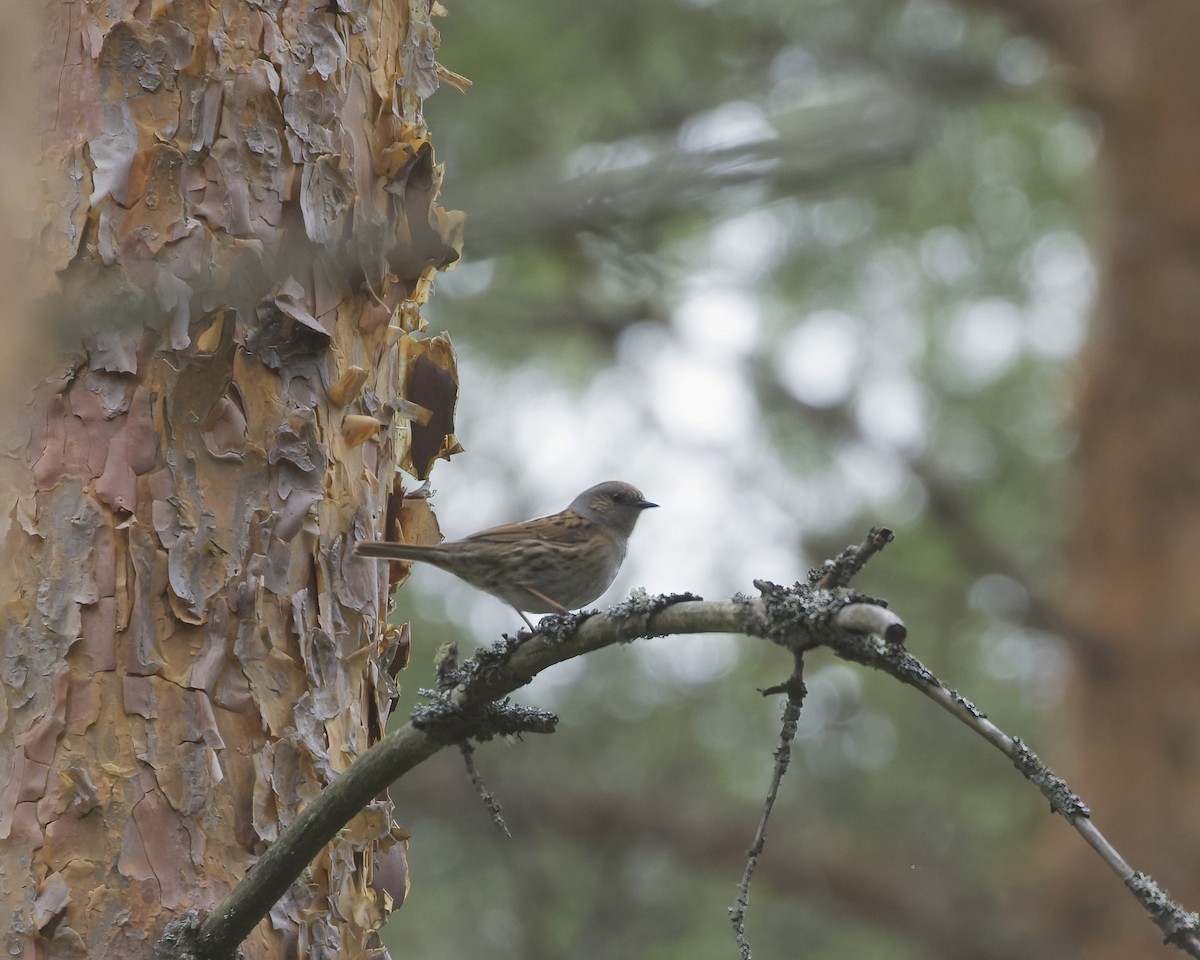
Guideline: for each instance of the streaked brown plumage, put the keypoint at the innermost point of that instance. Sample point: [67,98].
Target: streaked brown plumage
[548,565]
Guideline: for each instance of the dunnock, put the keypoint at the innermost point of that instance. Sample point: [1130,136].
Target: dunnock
[548,565]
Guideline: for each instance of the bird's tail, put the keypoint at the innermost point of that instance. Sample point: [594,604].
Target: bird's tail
[385,550]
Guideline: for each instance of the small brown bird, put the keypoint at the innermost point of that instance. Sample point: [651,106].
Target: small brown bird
[548,565]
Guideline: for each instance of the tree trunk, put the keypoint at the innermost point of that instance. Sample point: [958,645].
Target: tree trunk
[240,207]
[1133,560]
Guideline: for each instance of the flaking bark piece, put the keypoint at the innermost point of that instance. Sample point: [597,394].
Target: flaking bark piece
[430,380]
[389,870]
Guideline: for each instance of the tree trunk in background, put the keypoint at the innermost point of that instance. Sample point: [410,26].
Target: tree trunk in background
[1133,561]
[239,205]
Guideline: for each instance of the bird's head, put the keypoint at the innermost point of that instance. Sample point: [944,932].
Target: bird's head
[613,504]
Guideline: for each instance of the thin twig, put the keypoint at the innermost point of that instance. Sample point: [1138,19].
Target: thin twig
[486,795]
[794,687]
[841,570]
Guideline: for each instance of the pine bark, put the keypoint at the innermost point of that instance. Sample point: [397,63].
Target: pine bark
[239,218]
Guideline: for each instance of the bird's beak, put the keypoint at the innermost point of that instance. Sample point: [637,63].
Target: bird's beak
[645,504]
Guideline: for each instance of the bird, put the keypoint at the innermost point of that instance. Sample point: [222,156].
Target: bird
[551,564]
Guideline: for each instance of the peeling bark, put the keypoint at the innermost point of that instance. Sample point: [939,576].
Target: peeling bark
[240,204]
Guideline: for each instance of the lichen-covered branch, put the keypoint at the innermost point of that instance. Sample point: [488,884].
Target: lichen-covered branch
[1179,926]
[471,704]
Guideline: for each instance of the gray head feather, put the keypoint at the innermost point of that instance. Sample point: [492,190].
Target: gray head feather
[614,505]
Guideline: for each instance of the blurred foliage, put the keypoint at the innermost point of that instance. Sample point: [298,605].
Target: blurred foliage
[793,268]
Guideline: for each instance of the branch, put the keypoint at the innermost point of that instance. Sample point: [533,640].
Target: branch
[233,919]
[1180,927]
[813,146]
[472,705]
[467,707]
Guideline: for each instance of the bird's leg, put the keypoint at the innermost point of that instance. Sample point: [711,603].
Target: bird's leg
[538,595]
[554,604]
[521,614]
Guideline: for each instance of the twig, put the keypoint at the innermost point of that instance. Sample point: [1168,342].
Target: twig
[795,690]
[486,795]
[841,570]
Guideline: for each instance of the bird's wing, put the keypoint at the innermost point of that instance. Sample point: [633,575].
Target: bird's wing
[560,529]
